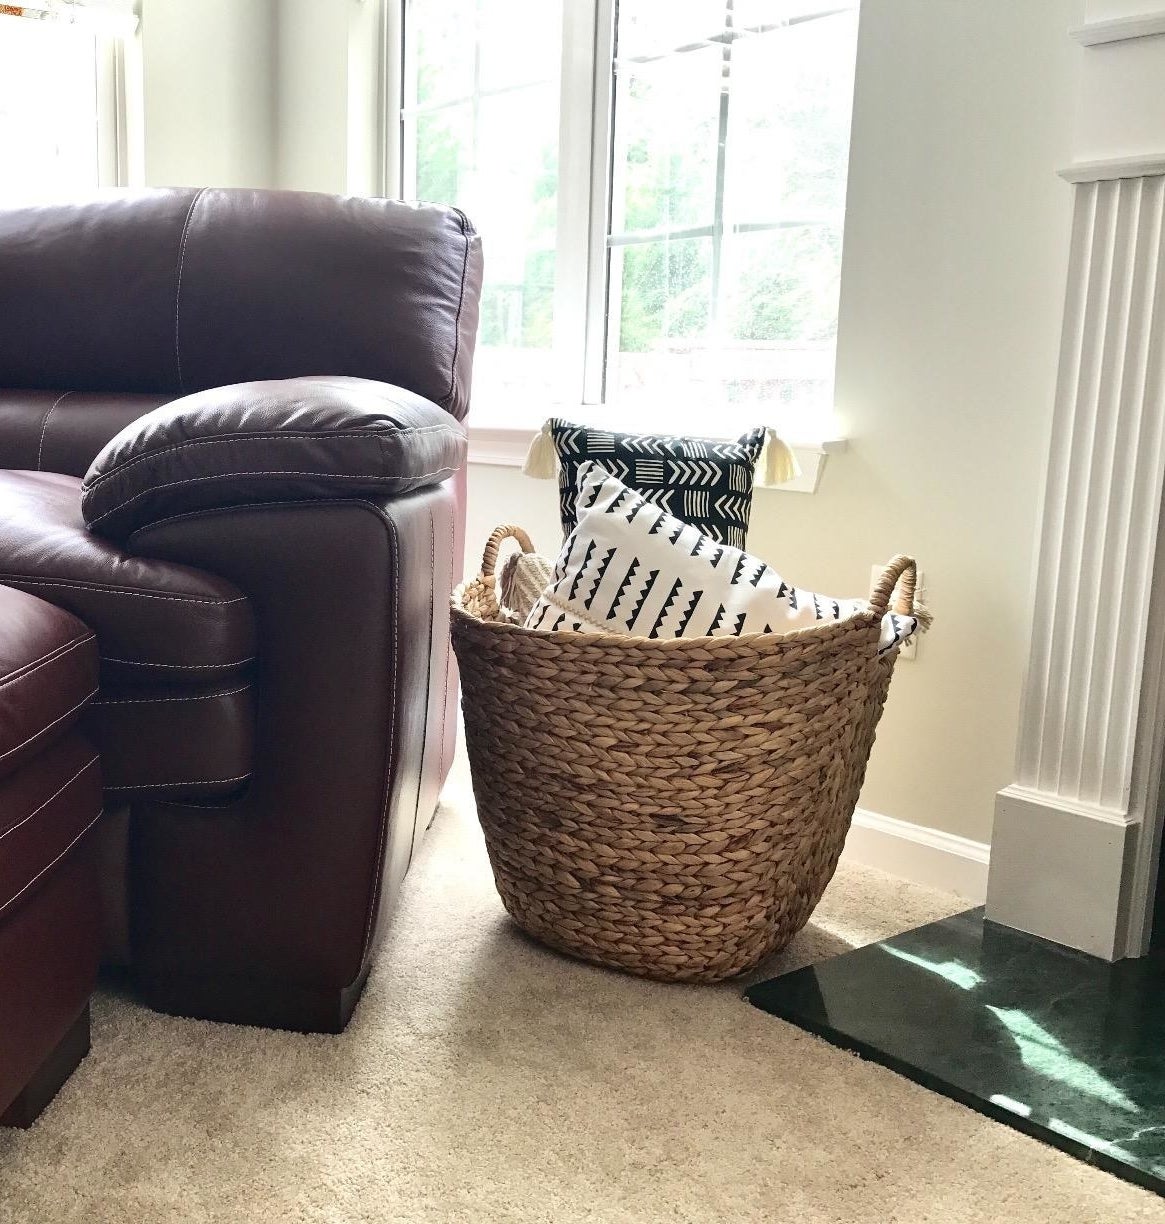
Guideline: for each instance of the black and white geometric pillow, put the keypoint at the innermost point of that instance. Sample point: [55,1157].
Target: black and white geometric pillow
[707,482]
[630,567]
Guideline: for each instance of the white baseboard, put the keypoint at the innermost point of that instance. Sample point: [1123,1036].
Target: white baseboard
[924,856]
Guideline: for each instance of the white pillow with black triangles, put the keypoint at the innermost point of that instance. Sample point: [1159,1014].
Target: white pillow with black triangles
[630,567]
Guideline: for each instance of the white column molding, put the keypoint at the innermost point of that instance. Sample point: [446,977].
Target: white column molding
[1119,29]
[1144,166]
[1073,816]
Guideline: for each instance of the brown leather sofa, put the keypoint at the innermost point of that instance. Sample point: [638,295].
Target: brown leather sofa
[231,441]
[50,799]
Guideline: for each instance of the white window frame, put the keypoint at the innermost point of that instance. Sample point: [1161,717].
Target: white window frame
[584,199]
[120,143]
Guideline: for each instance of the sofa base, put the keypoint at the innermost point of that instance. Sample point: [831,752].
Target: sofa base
[231,1000]
[50,1076]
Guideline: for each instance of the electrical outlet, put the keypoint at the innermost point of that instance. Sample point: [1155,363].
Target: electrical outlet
[909,652]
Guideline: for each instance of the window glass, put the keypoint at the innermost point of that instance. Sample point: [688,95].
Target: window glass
[480,125]
[48,109]
[731,125]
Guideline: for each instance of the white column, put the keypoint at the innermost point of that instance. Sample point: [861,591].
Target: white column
[1074,830]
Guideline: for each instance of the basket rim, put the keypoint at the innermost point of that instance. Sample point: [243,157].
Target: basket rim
[871,618]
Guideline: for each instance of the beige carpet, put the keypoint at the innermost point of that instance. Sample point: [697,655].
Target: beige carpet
[484,1079]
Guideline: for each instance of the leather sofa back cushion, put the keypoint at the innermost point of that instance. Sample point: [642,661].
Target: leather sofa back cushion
[289,440]
[64,431]
[173,291]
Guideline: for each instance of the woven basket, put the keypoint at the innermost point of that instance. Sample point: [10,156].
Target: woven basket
[671,808]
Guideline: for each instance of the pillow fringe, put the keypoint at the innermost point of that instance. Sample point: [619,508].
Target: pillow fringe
[777,463]
[540,458]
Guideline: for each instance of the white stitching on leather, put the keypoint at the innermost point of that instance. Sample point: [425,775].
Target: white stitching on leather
[179,666]
[132,592]
[44,427]
[173,484]
[167,784]
[210,511]
[246,688]
[64,787]
[272,436]
[45,660]
[449,647]
[178,283]
[428,683]
[41,874]
[389,756]
[464,221]
[47,727]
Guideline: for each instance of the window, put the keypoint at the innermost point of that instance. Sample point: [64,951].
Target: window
[63,71]
[660,187]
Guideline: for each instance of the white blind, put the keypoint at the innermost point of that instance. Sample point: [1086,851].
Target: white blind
[111,16]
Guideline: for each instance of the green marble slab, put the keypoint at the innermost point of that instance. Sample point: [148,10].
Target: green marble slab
[1062,1046]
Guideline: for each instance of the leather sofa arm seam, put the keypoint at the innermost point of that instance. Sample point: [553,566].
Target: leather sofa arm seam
[280,505]
[45,660]
[131,592]
[441,473]
[60,790]
[47,727]
[120,701]
[167,784]
[178,666]
[270,436]
[13,900]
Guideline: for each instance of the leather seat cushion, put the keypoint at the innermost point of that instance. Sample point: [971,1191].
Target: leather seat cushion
[155,621]
[45,809]
[48,670]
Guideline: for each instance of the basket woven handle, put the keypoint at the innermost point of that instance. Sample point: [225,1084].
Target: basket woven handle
[499,535]
[901,572]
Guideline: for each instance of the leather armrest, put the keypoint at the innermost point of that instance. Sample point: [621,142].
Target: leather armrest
[259,442]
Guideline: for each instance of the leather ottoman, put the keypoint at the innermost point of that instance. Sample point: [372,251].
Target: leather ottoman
[50,796]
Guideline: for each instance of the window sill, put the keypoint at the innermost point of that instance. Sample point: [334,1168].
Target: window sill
[493,447]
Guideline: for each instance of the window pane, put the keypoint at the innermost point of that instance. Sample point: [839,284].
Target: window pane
[649,27]
[519,41]
[789,121]
[780,293]
[495,155]
[441,37]
[665,141]
[661,295]
[731,120]
[48,109]
[443,140]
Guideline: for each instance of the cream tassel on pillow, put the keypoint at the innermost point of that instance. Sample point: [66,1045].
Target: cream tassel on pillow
[777,463]
[540,458]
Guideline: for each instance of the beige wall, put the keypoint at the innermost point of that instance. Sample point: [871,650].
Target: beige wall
[328,89]
[955,249]
[263,93]
[208,93]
